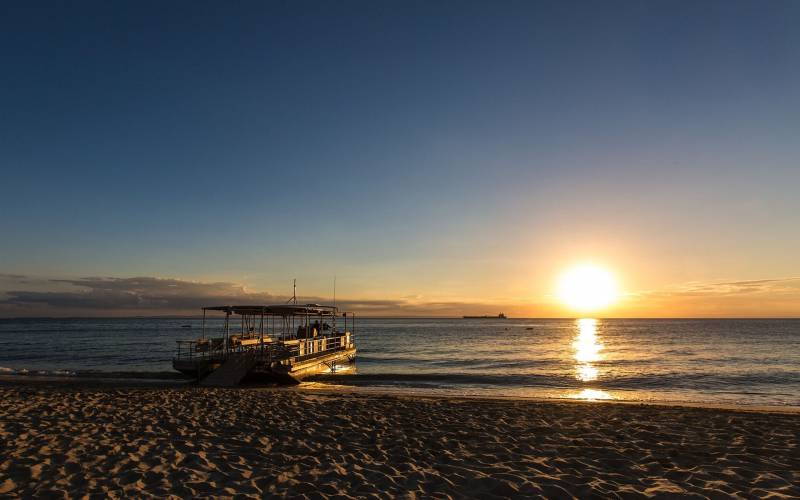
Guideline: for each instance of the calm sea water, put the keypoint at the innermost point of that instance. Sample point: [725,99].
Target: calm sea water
[747,362]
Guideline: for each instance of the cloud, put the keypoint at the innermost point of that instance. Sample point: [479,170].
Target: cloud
[19,279]
[146,293]
[9,276]
[774,297]
[153,296]
[729,288]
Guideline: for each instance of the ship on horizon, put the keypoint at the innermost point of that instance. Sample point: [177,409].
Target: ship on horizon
[486,316]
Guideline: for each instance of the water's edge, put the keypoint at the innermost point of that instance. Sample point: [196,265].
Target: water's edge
[731,362]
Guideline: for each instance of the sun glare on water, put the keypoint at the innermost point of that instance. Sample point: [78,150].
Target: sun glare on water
[587,288]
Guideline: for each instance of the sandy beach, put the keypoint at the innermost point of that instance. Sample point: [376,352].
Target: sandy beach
[68,440]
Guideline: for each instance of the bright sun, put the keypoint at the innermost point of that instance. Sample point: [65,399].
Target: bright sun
[587,288]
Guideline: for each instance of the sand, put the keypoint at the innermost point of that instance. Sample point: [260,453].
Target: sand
[69,440]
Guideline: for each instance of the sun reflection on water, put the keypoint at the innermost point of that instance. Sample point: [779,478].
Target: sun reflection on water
[587,350]
[586,373]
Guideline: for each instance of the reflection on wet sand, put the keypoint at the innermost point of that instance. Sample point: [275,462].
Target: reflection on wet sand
[591,395]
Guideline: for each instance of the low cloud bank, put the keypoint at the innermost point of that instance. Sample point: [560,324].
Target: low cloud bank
[99,296]
[27,296]
[133,293]
[775,297]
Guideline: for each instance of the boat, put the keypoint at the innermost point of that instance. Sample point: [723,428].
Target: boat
[282,343]
[499,316]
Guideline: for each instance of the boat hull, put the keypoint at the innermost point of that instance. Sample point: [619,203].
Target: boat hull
[323,364]
[276,372]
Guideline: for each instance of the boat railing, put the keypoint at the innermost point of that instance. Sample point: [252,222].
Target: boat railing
[199,349]
[215,348]
[319,346]
[297,350]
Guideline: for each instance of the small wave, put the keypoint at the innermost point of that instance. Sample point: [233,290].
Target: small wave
[97,374]
[708,381]
[425,379]
[24,371]
[666,381]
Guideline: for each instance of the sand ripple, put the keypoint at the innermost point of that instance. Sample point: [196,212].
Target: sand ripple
[187,442]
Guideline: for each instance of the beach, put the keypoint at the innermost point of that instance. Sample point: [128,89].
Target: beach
[69,439]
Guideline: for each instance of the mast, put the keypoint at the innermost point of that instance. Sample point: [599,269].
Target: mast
[293,300]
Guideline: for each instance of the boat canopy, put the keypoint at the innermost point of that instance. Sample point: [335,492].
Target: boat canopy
[278,310]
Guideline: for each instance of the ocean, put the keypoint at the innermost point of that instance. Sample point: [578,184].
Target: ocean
[717,361]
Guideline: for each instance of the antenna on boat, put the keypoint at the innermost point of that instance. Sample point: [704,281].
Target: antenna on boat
[294,292]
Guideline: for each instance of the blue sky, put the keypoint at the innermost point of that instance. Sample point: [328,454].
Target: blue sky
[463,152]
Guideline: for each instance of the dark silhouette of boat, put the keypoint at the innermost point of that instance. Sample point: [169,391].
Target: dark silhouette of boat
[278,343]
[499,316]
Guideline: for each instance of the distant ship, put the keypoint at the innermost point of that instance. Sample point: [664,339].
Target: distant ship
[499,316]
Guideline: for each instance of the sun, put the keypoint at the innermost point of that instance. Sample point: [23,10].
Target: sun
[587,288]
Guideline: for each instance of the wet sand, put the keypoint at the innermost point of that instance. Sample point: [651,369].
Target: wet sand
[71,439]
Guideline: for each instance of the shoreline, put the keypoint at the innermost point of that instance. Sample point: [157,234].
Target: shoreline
[333,389]
[533,399]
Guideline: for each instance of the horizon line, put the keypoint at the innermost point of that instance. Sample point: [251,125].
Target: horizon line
[178,316]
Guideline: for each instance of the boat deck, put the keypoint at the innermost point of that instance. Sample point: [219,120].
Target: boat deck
[283,361]
[282,343]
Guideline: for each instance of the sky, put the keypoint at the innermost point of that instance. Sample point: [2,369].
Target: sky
[436,158]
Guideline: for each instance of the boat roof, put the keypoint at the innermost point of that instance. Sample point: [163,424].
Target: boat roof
[278,309]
